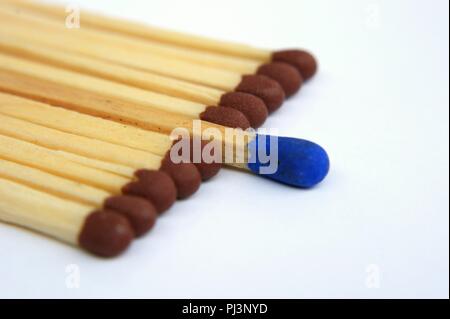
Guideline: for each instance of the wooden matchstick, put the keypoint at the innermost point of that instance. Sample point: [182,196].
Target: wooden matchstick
[88,147]
[187,183]
[304,163]
[141,98]
[52,184]
[140,212]
[67,155]
[93,127]
[23,47]
[251,106]
[122,170]
[102,232]
[84,42]
[300,59]
[214,60]
[160,189]
[86,102]
[41,158]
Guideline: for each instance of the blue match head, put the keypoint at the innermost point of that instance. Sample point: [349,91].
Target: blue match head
[287,160]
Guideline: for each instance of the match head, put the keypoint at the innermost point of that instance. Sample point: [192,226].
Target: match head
[106,233]
[304,61]
[288,76]
[140,212]
[301,163]
[155,186]
[225,116]
[250,105]
[206,170]
[270,91]
[185,175]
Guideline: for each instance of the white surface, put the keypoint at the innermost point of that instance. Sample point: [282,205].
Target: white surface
[380,107]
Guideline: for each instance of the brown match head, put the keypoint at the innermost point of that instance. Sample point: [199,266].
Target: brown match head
[270,91]
[106,233]
[156,186]
[250,105]
[225,116]
[185,175]
[288,76]
[304,61]
[206,170]
[140,212]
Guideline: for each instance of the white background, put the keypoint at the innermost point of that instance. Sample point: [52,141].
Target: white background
[379,105]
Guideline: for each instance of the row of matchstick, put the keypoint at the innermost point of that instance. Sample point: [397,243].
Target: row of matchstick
[86,115]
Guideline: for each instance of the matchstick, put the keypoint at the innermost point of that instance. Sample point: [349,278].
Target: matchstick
[252,107]
[52,184]
[140,212]
[76,159]
[123,158]
[302,163]
[102,232]
[214,60]
[56,36]
[146,80]
[93,104]
[122,170]
[187,182]
[160,190]
[222,115]
[57,140]
[95,128]
[300,59]
[41,158]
